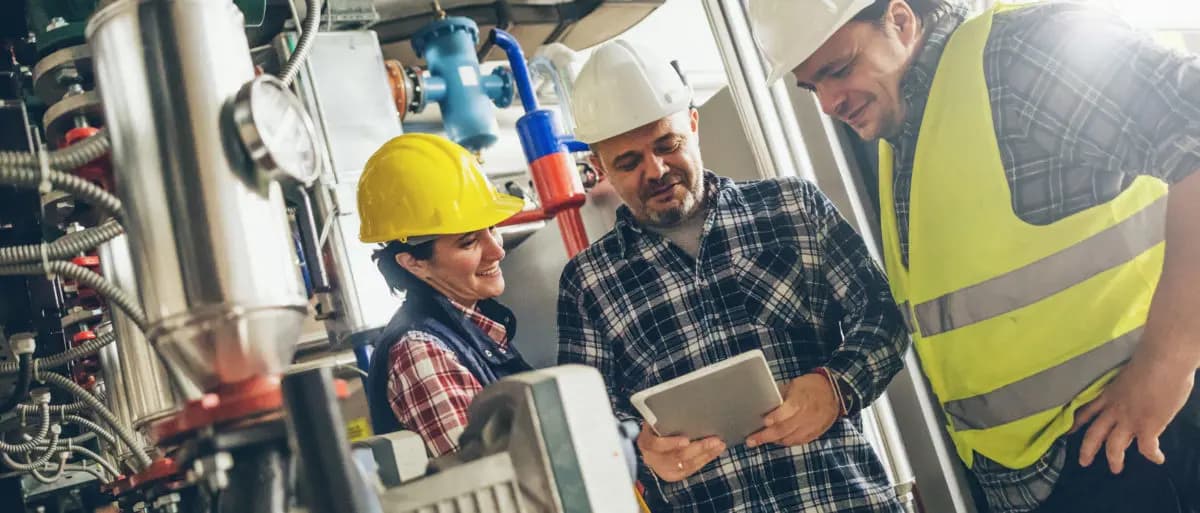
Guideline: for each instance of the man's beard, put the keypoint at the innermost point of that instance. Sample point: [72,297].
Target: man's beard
[674,215]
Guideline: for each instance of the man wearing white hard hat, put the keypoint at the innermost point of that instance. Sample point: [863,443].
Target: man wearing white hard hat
[1050,284]
[699,269]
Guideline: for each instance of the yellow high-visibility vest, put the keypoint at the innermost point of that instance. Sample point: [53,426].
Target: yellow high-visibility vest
[1016,325]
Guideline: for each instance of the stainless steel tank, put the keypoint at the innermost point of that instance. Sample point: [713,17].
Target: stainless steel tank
[143,387]
[210,242]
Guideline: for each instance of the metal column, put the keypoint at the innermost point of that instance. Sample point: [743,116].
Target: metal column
[765,111]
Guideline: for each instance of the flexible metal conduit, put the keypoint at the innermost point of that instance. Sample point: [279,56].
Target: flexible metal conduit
[83,275]
[123,432]
[49,362]
[70,157]
[43,430]
[312,21]
[66,246]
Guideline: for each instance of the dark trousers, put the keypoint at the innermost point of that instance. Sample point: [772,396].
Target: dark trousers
[1142,487]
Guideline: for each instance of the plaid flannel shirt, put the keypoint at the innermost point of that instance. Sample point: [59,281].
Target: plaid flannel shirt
[778,270]
[429,390]
[1081,104]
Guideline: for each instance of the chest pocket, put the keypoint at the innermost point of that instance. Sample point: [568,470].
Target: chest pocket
[772,287]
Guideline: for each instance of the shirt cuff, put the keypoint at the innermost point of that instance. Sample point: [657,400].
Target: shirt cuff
[852,379]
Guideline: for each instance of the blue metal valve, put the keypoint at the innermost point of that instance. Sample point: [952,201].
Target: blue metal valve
[466,97]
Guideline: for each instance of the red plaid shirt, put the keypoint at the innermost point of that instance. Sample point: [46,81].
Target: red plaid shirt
[429,390]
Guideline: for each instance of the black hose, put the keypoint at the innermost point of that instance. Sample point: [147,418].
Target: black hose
[303,45]
[24,379]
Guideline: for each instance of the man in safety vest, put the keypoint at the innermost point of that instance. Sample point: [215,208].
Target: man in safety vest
[1050,284]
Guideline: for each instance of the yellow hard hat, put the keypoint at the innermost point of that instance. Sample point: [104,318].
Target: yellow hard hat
[421,184]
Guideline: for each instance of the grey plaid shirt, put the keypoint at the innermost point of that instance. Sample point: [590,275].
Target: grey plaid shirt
[778,270]
[1082,104]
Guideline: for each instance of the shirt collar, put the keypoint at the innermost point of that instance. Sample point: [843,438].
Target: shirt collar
[939,25]
[719,193]
[495,330]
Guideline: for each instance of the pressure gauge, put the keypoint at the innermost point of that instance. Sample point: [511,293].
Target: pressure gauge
[276,131]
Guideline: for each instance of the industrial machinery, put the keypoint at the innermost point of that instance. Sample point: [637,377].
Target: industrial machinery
[542,441]
[176,205]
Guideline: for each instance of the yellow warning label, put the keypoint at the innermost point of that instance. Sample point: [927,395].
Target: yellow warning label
[358,429]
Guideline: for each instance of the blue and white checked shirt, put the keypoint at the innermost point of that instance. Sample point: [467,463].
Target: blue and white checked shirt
[779,270]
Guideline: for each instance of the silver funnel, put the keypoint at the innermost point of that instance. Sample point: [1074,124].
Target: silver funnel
[210,242]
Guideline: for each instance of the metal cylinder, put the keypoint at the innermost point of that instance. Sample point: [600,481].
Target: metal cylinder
[318,433]
[210,242]
[115,393]
[145,387]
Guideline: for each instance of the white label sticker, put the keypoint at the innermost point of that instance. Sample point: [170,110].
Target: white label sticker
[468,75]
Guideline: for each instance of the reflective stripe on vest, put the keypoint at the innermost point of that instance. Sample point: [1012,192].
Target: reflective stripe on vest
[1025,286]
[1048,389]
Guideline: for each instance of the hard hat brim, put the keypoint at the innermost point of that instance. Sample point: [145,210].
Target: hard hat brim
[804,51]
[488,216]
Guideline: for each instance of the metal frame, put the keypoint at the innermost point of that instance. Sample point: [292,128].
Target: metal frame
[765,111]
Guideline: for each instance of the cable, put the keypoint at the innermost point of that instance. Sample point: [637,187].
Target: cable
[22,168]
[101,461]
[57,473]
[123,432]
[43,430]
[40,459]
[61,358]
[84,468]
[71,157]
[24,379]
[62,467]
[91,426]
[80,188]
[354,368]
[57,360]
[303,45]
[64,247]
[74,407]
[83,275]
[81,439]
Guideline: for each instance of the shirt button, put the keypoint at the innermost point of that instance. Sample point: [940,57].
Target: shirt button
[487,353]
[502,351]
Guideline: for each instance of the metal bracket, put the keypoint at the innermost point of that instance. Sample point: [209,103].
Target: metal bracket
[351,14]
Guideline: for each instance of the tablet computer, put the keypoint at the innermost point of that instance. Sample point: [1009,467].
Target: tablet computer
[727,399]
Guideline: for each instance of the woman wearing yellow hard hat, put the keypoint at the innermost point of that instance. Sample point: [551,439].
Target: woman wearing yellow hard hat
[426,201]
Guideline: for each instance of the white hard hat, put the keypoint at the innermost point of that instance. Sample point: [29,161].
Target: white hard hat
[789,31]
[624,86]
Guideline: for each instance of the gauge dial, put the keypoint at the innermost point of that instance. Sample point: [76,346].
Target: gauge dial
[276,131]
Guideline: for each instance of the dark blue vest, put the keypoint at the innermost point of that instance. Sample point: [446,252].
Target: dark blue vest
[428,311]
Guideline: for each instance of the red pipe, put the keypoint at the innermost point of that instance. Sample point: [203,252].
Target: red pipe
[528,216]
[570,225]
[574,235]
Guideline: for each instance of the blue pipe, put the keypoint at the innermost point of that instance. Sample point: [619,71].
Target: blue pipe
[516,60]
[574,146]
